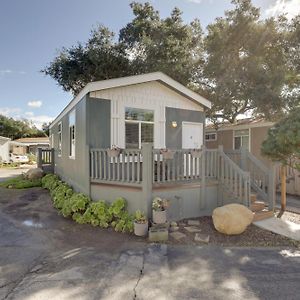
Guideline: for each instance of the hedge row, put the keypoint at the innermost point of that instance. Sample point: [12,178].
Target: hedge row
[84,211]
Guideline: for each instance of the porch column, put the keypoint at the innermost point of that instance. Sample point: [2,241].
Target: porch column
[147,170]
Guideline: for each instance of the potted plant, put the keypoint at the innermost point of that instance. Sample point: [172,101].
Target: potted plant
[159,210]
[114,151]
[140,224]
[196,153]
[167,153]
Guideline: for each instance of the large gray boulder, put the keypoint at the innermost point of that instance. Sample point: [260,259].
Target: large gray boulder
[34,173]
[232,218]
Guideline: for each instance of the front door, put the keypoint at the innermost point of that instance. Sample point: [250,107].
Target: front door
[192,135]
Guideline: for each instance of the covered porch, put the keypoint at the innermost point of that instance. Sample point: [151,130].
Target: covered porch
[195,181]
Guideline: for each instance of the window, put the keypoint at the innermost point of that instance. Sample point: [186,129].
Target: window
[139,127]
[241,139]
[210,137]
[72,134]
[59,132]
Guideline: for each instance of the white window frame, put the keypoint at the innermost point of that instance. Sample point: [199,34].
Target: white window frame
[59,134]
[140,125]
[211,133]
[241,136]
[72,141]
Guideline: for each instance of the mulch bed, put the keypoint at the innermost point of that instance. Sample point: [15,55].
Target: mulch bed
[252,237]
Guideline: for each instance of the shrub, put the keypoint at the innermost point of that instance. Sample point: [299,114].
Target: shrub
[60,194]
[77,203]
[98,214]
[20,182]
[50,182]
[124,223]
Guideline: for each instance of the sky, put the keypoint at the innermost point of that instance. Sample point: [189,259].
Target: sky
[32,32]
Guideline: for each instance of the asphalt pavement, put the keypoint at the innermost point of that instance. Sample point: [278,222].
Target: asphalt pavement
[45,256]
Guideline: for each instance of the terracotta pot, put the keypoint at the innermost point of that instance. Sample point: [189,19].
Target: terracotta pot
[113,152]
[141,229]
[159,217]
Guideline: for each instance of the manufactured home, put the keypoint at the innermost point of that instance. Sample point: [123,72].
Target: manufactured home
[142,136]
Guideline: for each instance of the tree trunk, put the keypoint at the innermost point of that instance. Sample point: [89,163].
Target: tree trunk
[283,187]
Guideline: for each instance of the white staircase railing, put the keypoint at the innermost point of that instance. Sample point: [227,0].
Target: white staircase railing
[233,179]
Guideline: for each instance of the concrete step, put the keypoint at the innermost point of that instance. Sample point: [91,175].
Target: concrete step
[257,206]
[261,215]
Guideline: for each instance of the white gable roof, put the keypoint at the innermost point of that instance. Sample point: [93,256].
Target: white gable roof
[130,80]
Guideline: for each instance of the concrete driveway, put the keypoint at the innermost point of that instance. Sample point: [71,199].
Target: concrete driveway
[6,173]
[44,256]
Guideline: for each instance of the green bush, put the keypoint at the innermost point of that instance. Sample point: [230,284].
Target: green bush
[20,182]
[84,211]
[98,214]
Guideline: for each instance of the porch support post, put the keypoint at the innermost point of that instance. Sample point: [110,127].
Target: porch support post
[52,160]
[147,171]
[39,158]
[272,187]
[220,179]
[243,162]
[203,179]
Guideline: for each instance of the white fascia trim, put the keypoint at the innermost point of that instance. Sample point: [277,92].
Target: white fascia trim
[131,80]
[240,127]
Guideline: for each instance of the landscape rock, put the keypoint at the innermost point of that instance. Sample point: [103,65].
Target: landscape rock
[173,224]
[200,237]
[177,235]
[192,229]
[158,234]
[232,219]
[34,173]
[193,222]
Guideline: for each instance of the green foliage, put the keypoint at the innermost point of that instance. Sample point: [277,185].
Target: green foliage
[50,182]
[15,129]
[243,63]
[283,141]
[140,217]
[20,182]
[98,214]
[83,211]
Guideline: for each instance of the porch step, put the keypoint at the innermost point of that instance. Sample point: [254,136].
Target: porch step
[257,206]
[261,215]
[253,197]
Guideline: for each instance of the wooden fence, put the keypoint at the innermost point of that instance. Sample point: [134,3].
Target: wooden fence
[45,160]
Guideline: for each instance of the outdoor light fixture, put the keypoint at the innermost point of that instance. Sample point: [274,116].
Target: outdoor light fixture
[174,124]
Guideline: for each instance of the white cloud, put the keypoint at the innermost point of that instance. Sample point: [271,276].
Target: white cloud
[35,104]
[39,120]
[18,114]
[8,71]
[289,7]
[10,111]
[195,1]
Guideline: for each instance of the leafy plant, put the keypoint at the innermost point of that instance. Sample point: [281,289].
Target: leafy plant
[140,217]
[159,204]
[50,181]
[98,214]
[124,223]
[60,194]
[117,207]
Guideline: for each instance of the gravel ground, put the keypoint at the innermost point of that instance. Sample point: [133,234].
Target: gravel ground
[252,237]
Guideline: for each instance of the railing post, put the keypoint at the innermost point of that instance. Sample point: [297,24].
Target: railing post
[39,158]
[219,176]
[243,165]
[147,177]
[52,159]
[247,188]
[272,187]
[203,178]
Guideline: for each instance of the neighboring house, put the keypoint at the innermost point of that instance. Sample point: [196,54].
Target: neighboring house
[4,149]
[30,145]
[247,133]
[141,115]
